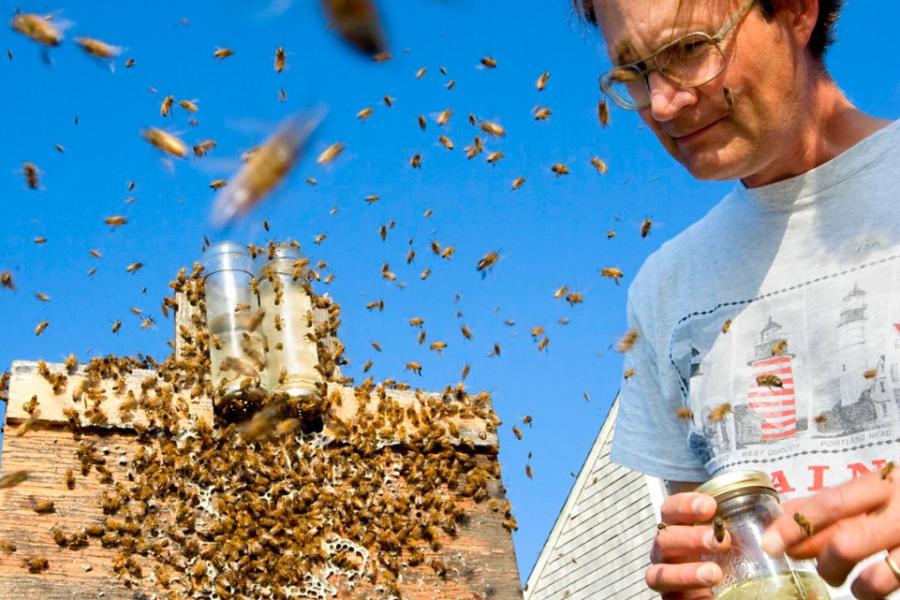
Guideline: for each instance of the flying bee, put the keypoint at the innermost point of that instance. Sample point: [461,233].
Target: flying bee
[330,153]
[769,380]
[645,227]
[492,128]
[189,105]
[683,412]
[280,59]
[115,221]
[603,112]
[517,182]
[517,432]
[421,72]
[416,161]
[446,142]
[626,342]
[804,524]
[38,28]
[221,53]
[98,48]
[166,105]
[425,273]
[613,273]
[165,141]
[40,327]
[416,322]
[543,343]
[541,113]
[574,298]
[495,351]
[59,148]
[379,304]
[494,156]
[726,325]
[528,472]
[427,213]
[779,347]
[218,184]
[42,297]
[116,326]
[365,113]
[719,529]
[466,332]
[129,63]
[537,331]
[438,346]
[560,169]
[381,57]
[31,173]
[718,413]
[357,22]
[422,123]
[415,367]
[40,240]
[388,101]
[133,267]
[444,116]
[542,80]
[465,371]
[487,261]
[13,479]
[489,62]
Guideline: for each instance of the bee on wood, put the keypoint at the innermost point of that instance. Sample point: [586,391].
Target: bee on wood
[44,506]
[221,53]
[98,48]
[7,547]
[626,342]
[416,161]
[599,165]
[719,529]
[560,169]
[280,59]
[165,141]
[779,347]
[613,273]
[804,524]
[517,182]
[645,227]
[769,380]
[487,261]
[718,413]
[603,112]
[134,267]
[40,327]
[38,28]
[542,113]
[37,564]
[492,128]
[13,479]
[489,62]
[886,470]
[683,412]
[870,373]
[357,22]
[542,80]
[31,173]
[365,113]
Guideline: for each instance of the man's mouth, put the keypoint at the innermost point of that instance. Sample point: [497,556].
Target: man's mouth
[690,136]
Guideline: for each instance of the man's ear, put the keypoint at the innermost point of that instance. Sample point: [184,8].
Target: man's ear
[799,18]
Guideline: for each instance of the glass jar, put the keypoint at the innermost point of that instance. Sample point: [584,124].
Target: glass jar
[236,345]
[288,324]
[747,505]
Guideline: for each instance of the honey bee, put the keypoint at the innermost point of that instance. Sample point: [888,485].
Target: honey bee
[13,479]
[165,141]
[376,345]
[541,113]
[367,366]
[40,327]
[465,371]
[381,57]
[388,101]
[466,332]
[804,524]
[129,63]
[560,169]
[886,470]
[415,367]
[330,153]
[42,297]
[718,413]
[421,72]
[38,28]
[116,326]
[31,173]
[487,261]
[115,221]
[98,48]
[603,112]
[37,564]
[779,347]
[280,59]
[446,142]
[729,96]
[870,373]
[820,419]
[59,148]
[769,380]
[44,506]
[517,432]
[718,525]
[133,267]
[495,351]
[379,304]
[416,161]
[489,62]
[528,472]
[416,322]
[492,128]
[438,346]
[645,227]
[356,21]
[626,342]
[574,298]
[726,325]
[661,525]
[628,374]
[517,182]
[189,105]
[542,80]
[427,213]
[450,84]
[40,240]
[543,343]
[7,547]
[365,113]
[217,184]
[221,53]
[494,156]
[444,116]
[683,412]
[613,273]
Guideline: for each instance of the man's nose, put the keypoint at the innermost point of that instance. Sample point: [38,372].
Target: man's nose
[668,99]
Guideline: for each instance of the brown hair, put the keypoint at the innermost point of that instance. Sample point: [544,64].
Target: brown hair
[822,35]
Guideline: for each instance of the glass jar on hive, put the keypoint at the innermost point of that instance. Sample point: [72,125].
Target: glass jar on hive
[747,503]
[236,346]
[286,298]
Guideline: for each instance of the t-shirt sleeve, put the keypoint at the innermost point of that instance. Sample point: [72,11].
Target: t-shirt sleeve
[649,437]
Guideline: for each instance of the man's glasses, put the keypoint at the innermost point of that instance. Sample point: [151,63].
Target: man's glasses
[689,62]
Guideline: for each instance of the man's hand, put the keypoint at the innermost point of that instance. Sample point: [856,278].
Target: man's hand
[845,525]
[677,571]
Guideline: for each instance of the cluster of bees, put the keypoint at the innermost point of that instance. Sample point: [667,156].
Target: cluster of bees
[250,505]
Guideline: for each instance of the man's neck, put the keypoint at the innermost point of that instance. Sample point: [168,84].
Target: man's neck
[828,125]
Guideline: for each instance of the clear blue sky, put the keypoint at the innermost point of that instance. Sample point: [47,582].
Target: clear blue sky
[550,232]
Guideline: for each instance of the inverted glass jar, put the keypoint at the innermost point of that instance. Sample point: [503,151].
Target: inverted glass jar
[747,505]
[236,345]
[288,324]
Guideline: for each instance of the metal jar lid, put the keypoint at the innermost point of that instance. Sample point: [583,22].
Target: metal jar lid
[737,483]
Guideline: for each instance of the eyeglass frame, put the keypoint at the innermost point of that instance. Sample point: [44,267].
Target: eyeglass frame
[644,72]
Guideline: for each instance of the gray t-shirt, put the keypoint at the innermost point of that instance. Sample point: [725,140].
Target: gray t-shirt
[769,332]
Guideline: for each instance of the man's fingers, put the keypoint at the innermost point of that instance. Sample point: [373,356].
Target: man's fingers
[877,580]
[855,497]
[684,542]
[854,540]
[687,508]
[811,547]
[688,595]
[682,577]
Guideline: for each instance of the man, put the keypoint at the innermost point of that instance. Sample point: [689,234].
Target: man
[768,331]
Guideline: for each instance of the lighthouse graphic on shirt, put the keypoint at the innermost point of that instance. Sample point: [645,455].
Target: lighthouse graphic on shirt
[812,370]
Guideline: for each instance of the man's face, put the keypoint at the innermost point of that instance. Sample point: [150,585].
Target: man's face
[712,135]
